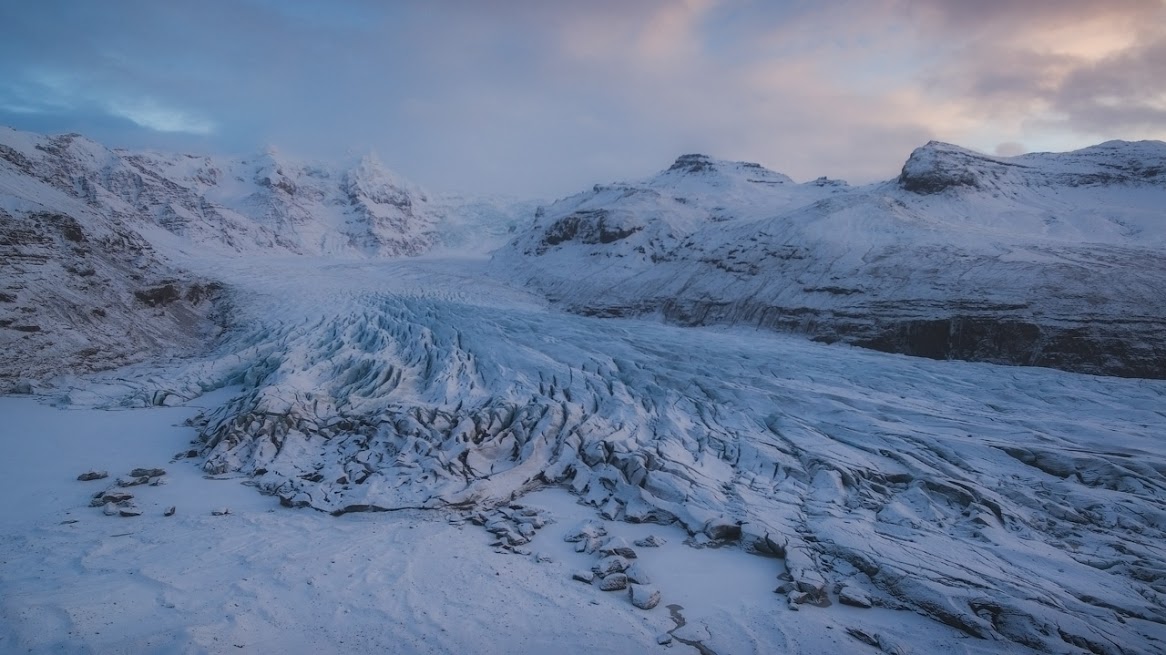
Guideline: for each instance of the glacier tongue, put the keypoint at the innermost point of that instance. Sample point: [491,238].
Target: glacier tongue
[1018,504]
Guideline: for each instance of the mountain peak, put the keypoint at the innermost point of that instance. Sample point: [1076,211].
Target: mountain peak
[719,171]
[693,163]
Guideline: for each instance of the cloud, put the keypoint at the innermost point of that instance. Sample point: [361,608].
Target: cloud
[1010,149]
[1084,70]
[545,98]
[149,114]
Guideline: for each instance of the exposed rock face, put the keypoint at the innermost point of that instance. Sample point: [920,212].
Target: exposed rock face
[1054,260]
[78,299]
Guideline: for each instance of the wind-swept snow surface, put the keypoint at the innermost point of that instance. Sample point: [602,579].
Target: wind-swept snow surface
[1020,505]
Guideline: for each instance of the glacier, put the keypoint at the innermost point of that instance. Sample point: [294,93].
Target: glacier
[1020,507]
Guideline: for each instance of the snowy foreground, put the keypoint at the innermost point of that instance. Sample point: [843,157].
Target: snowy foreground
[978,508]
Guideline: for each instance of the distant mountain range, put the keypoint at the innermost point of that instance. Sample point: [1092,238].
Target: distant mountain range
[1044,259]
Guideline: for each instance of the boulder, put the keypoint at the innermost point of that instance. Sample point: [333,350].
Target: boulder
[110,496]
[617,546]
[583,576]
[169,511]
[147,473]
[609,565]
[644,597]
[132,481]
[651,541]
[586,530]
[129,510]
[614,582]
[92,475]
[637,575]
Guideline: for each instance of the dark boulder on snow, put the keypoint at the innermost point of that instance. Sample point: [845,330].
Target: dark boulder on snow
[644,597]
[614,582]
[147,472]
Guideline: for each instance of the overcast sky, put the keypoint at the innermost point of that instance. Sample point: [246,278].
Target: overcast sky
[537,97]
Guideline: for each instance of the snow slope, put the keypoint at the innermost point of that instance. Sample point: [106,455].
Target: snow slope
[1047,259]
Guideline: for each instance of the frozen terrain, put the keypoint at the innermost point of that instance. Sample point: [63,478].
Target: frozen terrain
[1006,504]
[485,465]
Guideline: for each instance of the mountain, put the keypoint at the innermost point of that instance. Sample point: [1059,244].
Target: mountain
[90,236]
[1043,259]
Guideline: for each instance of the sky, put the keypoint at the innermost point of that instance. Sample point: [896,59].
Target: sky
[544,98]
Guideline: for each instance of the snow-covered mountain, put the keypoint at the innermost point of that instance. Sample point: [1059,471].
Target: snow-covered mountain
[87,233]
[1045,259]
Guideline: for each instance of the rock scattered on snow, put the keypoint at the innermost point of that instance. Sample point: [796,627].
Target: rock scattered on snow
[636,574]
[586,530]
[583,576]
[614,582]
[129,510]
[132,481]
[92,474]
[110,496]
[514,526]
[589,545]
[110,509]
[617,546]
[651,541]
[610,510]
[147,472]
[169,511]
[222,511]
[663,639]
[610,564]
[644,597]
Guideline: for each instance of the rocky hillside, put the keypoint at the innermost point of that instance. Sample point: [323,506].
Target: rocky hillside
[82,295]
[1044,259]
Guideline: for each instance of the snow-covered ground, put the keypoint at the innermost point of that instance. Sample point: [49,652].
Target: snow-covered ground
[265,579]
[979,508]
